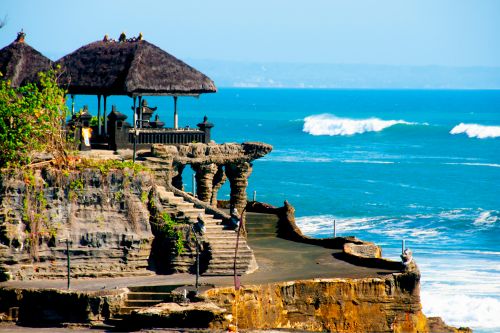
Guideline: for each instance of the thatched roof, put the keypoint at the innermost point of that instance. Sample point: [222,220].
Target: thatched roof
[130,67]
[20,63]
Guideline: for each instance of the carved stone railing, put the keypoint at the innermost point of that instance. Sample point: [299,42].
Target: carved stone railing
[166,136]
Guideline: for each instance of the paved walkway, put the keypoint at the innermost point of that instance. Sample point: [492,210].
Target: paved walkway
[278,259]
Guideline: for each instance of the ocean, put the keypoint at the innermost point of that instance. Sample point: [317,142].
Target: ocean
[387,165]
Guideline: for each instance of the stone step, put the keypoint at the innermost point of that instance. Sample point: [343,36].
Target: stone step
[261,234]
[157,296]
[219,242]
[228,264]
[261,229]
[213,236]
[125,310]
[230,257]
[221,246]
[144,303]
[212,222]
[224,251]
[154,288]
[191,212]
[186,205]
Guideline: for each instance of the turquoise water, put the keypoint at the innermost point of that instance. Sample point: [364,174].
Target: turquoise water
[386,165]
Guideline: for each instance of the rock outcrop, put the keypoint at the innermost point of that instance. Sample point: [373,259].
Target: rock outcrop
[101,218]
[335,305]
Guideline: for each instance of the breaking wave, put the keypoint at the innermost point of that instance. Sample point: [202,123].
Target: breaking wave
[477,131]
[328,124]
[462,310]
[486,218]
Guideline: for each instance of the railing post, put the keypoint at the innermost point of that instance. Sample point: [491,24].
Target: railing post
[206,127]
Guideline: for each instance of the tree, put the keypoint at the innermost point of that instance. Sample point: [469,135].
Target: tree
[31,120]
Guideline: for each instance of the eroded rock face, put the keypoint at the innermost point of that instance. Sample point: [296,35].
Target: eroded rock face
[103,216]
[220,154]
[335,305]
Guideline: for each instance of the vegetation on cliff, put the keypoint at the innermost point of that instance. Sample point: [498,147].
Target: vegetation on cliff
[31,120]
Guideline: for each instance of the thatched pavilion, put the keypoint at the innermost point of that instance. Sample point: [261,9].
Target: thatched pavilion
[20,63]
[132,67]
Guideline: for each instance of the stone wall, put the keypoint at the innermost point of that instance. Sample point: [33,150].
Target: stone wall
[102,215]
[50,307]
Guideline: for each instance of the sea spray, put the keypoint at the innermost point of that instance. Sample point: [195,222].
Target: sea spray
[328,124]
[477,131]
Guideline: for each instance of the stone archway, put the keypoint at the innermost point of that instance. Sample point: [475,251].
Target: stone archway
[213,165]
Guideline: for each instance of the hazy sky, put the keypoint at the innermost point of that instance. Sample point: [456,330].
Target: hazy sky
[395,32]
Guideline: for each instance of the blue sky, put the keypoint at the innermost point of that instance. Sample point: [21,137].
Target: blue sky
[396,32]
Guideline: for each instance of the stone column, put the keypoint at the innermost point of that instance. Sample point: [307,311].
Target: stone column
[176,175]
[217,182]
[204,180]
[238,177]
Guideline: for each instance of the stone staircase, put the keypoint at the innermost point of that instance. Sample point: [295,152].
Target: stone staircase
[141,297]
[221,239]
[261,229]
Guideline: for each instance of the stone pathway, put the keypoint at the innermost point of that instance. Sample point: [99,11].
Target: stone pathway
[278,259]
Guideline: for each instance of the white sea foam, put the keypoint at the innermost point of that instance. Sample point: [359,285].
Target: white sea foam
[328,124]
[486,218]
[493,165]
[322,224]
[297,159]
[462,310]
[367,162]
[477,131]
[464,292]
[459,285]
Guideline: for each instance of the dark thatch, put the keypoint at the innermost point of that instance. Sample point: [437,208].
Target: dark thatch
[130,67]
[20,63]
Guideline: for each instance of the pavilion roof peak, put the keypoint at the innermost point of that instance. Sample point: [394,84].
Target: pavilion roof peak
[130,67]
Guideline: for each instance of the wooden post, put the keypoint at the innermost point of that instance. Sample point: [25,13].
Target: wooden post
[99,115]
[194,185]
[68,261]
[135,133]
[104,113]
[140,111]
[176,118]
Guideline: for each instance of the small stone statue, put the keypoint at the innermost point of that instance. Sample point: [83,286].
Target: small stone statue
[199,226]
[235,218]
[408,262]
[122,38]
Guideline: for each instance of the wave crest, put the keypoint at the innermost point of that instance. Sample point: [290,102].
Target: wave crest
[328,124]
[476,131]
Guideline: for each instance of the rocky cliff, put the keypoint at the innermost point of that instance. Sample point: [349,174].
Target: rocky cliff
[101,215]
[386,304]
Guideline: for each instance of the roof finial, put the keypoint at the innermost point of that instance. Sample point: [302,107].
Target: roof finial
[106,38]
[20,36]
[122,38]
[140,36]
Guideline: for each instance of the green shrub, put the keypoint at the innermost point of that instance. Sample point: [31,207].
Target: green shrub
[31,120]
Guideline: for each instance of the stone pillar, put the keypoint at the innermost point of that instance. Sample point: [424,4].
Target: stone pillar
[238,177]
[217,182]
[204,180]
[176,175]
